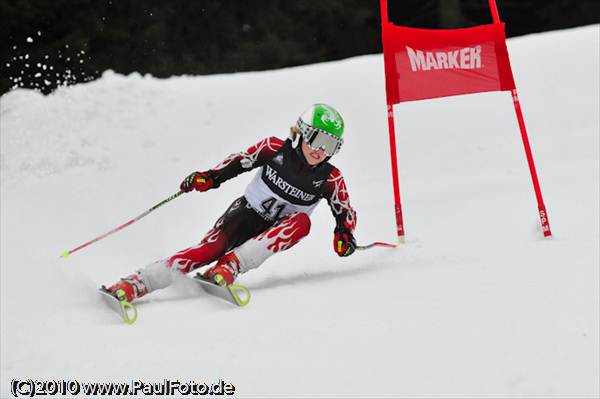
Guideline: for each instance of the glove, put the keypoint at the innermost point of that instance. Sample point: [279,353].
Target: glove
[199,181]
[344,243]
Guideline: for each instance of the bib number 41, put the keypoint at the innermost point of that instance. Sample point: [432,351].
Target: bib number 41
[271,208]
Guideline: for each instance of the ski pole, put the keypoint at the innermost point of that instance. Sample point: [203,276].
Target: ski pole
[135,219]
[376,244]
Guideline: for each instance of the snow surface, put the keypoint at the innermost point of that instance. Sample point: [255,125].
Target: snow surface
[475,304]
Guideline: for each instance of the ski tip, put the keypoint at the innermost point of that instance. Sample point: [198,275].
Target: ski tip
[240,300]
[65,254]
[126,309]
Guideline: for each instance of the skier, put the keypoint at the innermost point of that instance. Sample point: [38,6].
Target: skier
[273,214]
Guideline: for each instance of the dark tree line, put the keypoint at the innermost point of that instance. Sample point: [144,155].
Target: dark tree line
[50,43]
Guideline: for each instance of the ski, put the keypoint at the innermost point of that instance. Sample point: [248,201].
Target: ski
[229,293]
[235,294]
[120,304]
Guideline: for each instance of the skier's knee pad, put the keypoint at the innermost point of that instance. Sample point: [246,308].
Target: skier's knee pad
[279,237]
[304,224]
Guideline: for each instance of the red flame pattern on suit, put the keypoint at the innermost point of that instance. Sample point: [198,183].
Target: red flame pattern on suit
[339,200]
[287,232]
[211,247]
[258,152]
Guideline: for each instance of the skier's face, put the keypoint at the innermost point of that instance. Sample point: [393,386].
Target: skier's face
[313,157]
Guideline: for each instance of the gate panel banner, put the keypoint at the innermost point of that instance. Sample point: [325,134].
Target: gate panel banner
[425,63]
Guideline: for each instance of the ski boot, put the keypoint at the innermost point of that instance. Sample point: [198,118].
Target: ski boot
[225,271]
[130,288]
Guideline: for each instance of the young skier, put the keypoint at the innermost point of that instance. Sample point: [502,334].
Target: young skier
[273,214]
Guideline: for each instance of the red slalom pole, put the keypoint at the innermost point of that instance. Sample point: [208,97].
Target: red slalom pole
[375,244]
[395,178]
[534,177]
[121,227]
[392,138]
[494,10]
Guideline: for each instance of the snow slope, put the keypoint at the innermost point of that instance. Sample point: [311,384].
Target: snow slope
[475,304]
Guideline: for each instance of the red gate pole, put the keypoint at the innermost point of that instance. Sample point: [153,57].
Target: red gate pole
[494,10]
[395,177]
[392,138]
[536,184]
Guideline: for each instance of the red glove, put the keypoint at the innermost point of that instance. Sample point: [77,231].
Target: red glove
[344,243]
[199,181]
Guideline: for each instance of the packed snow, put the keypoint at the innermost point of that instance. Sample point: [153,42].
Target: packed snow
[476,303]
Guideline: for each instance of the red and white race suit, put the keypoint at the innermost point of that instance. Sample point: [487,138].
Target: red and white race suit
[273,215]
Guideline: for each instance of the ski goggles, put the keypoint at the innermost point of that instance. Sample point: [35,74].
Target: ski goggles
[318,139]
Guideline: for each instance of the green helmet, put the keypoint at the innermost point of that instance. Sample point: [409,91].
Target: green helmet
[322,126]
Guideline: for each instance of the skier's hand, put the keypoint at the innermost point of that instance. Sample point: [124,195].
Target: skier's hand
[344,243]
[199,181]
